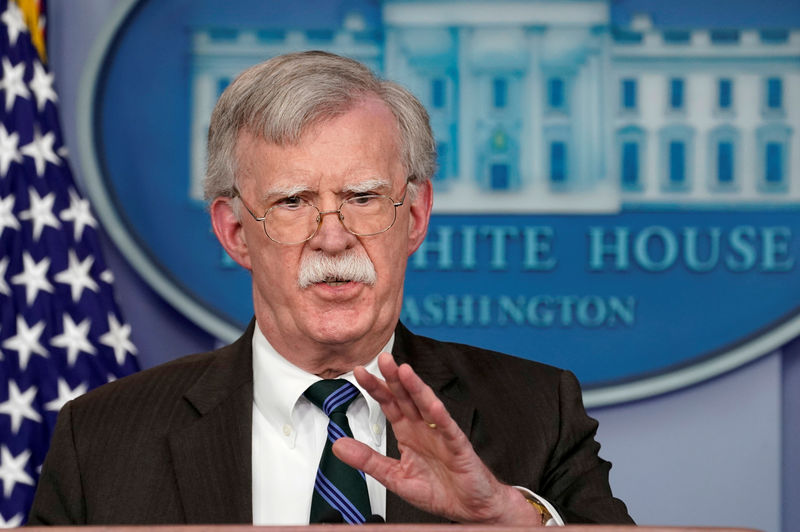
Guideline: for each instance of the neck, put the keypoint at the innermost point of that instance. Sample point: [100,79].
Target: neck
[326,360]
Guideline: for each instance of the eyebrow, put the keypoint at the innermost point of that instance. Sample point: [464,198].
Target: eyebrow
[285,191]
[299,188]
[366,186]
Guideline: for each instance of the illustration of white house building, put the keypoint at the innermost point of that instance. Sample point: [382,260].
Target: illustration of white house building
[546,106]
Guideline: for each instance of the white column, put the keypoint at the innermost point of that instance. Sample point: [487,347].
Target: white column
[466,114]
[535,160]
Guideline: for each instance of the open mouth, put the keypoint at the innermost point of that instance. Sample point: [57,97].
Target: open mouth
[336,282]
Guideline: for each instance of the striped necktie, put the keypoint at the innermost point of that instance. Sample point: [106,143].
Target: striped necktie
[337,486]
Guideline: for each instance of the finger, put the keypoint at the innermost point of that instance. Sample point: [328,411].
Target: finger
[371,383]
[378,390]
[425,401]
[362,457]
[431,407]
[404,401]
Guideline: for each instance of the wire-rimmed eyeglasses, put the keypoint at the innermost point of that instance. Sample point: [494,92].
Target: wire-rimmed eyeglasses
[295,220]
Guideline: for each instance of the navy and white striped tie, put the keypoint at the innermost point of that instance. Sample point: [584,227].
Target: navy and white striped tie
[337,486]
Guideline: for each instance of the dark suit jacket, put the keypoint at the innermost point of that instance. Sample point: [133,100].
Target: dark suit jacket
[173,444]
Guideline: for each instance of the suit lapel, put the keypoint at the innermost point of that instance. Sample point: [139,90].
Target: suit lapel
[446,385]
[212,455]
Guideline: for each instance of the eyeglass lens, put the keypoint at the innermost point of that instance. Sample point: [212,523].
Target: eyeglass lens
[362,216]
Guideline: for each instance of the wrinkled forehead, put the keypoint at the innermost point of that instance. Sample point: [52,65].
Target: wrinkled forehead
[255,134]
[352,151]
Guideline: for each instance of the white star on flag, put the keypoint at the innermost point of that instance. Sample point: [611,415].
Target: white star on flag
[40,213]
[77,275]
[65,395]
[7,217]
[9,150]
[33,276]
[74,339]
[13,83]
[12,470]
[79,213]
[19,406]
[118,338]
[14,522]
[26,342]
[12,18]
[42,86]
[41,151]
[4,288]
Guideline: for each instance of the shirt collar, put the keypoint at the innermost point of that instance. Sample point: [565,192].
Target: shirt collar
[278,384]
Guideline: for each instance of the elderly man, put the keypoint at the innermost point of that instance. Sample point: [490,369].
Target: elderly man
[319,185]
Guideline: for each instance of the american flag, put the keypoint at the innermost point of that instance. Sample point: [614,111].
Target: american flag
[61,333]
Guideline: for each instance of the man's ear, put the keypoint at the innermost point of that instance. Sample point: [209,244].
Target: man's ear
[420,210]
[230,232]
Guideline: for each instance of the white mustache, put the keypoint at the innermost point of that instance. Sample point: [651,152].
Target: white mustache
[349,266]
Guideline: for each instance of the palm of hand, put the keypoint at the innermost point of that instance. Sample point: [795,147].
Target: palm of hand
[438,470]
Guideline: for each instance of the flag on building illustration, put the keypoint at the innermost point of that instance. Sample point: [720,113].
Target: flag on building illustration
[61,333]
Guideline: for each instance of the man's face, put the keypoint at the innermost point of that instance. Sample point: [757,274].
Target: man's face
[333,161]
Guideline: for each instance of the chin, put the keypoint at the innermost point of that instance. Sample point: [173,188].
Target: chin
[338,331]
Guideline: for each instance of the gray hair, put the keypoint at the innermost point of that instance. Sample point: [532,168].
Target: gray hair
[279,99]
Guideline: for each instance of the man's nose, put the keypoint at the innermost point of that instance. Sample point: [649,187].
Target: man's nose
[331,235]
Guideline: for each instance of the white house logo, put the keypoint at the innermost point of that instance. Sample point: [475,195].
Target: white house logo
[614,196]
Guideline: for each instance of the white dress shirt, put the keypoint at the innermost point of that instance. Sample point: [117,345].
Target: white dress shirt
[289,433]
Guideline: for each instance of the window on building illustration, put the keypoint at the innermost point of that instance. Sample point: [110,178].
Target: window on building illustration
[773,173]
[725,94]
[223,34]
[271,35]
[629,94]
[773,149]
[677,163]
[725,162]
[676,36]
[558,162]
[555,93]
[630,164]
[723,36]
[500,92]
[437,93]
[500,176]
[774,36]
[676,149]
[721,158]
[774,93]
[630,148]
[320,35]
[624,36]
[676,94]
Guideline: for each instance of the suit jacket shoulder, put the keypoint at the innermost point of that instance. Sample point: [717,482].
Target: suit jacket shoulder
[155,447]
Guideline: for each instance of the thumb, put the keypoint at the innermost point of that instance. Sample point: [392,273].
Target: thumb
[360,456]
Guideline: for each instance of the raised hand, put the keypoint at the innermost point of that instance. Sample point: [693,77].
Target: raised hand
[438,470]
